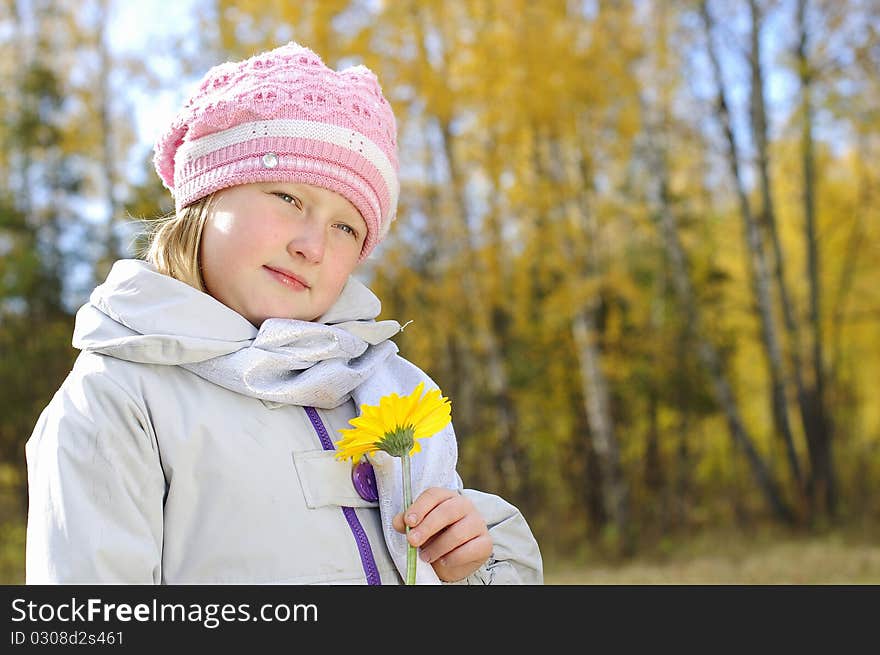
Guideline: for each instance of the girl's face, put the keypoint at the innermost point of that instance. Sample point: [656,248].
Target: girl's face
[280,249]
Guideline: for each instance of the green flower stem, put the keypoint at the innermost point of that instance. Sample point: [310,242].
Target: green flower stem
[407,501]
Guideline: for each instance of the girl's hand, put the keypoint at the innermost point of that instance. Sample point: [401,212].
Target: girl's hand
[449,531]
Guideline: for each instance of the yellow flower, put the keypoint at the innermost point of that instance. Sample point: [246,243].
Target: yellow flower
[396,425]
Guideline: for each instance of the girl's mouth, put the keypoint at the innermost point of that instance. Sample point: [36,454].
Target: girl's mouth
[289,280]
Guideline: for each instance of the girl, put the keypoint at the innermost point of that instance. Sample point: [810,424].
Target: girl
[192,443]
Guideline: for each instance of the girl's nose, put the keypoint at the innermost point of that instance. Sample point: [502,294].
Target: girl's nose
[309,241]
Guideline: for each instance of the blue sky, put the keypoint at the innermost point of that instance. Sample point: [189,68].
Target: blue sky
[135,25]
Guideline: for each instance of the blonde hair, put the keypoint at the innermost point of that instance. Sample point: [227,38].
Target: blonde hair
[173,243]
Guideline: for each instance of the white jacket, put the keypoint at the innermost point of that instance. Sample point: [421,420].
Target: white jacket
[142,472]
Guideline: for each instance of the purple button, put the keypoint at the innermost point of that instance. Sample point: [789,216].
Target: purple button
[364,479]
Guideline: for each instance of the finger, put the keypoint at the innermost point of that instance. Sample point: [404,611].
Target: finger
[465,559]
[426,502]
[454,535]
[438,519]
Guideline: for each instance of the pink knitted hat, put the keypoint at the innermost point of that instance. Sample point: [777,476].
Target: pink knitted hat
[283,115]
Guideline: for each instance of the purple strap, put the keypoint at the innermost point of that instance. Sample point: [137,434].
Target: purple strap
[360,536]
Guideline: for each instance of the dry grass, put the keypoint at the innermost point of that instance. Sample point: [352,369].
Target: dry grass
[833,558]
[713,558]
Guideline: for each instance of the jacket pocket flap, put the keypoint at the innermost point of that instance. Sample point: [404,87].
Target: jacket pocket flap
[326,480]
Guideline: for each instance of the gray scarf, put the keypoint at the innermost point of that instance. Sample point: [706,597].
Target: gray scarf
[302,363]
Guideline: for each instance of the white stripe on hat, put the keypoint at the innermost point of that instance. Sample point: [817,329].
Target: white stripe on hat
[293,128]
[207,179]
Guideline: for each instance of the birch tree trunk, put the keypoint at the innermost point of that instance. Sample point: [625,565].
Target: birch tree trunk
[708,353]
[581,251]
[821,486]
[496,372]
[758,263]
[17,178]
[683,465]
[111,250]
[476,309]
[768,219]
[595,392]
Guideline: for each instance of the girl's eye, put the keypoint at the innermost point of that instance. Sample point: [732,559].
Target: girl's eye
[289,199]
[348,228]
